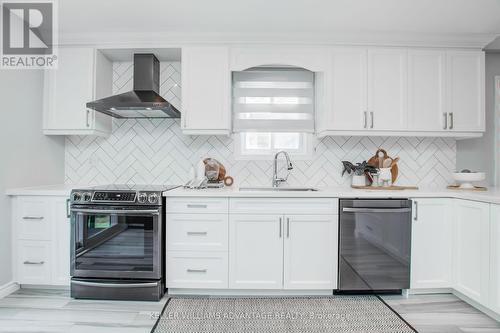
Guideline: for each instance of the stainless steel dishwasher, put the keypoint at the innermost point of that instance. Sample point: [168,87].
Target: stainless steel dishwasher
[375,245]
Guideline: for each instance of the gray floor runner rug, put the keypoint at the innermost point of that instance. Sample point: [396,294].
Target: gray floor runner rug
[276,315]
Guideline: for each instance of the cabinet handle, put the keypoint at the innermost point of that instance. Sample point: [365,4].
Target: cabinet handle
[87,119]
[365,119]
[373,116]
[281,221]
[445,120]
[196,206]
[415,217]
[287,227]
[189,270]
[34,262]
[32,217]
[451,120]
[197,233]
[68,211]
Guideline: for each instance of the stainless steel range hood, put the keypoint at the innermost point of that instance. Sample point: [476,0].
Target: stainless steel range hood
[142,102]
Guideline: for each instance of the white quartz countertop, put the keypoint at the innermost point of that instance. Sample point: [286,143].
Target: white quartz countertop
[55,190]
[490,196]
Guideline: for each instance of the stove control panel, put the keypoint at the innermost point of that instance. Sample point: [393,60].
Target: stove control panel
[114,196]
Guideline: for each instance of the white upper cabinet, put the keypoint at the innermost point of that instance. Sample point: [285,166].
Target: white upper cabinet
[310,58]
[387,89]
[348,84]
[472,249]
[426,90]
[403,91]
[465,90]
[206,90]
[431,244]
[83,75]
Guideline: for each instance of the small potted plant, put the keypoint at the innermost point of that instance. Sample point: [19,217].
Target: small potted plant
[359,171]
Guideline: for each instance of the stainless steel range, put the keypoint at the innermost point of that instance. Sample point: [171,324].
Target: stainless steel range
[117,248]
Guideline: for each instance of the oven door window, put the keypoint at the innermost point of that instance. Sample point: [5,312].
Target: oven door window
[115,242]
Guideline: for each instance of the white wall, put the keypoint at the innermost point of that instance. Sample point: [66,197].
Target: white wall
[27,157]
[479,154]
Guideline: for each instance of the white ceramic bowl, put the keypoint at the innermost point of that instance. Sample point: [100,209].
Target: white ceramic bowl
[466,178]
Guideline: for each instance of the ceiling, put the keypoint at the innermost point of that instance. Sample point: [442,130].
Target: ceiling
[455,17]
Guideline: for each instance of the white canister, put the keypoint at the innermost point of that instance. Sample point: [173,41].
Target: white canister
[358,180]
[385,176]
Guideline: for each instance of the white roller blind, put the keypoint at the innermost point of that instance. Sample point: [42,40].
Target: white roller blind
[273,100]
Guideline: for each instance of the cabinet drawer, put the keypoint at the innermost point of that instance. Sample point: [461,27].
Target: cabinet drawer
[197,232]
[33,219]
[33,262]
[197,270]
[197,205]
[296,206]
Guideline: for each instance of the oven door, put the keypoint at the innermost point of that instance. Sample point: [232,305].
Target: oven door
[116,242]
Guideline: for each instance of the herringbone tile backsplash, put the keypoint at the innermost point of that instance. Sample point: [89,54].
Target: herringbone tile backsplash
[154,151]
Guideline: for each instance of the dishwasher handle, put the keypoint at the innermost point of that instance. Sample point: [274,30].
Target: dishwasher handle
[376,210]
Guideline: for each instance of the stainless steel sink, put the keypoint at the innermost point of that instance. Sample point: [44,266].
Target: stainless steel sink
[280,189]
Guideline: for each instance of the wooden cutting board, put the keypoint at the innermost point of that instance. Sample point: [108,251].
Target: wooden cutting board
[476,188]
[374,160]
[386,188]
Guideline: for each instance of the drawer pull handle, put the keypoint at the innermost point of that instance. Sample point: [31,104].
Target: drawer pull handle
[34,262]
[196,206]
[32,217]
[196,270]
[197,233]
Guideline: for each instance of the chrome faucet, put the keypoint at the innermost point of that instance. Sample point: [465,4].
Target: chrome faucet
[277,181]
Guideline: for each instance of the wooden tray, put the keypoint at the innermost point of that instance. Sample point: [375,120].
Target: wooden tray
[476,188]
[386,188]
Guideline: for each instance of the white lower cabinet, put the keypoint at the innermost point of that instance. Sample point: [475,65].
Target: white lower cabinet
[494,301]
[310,252]
[197,243]
[283,251]
[204,270]
[41,240]
[431,245]
[256,251]
[34,262]
[472,249]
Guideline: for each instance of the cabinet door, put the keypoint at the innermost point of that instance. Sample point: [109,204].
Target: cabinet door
[68,88]
[472,248]
[311,251]
[61,241]
[33,262]
[426,90]
[494,301]
[432,243]
[206,87]
[387,88]
[348,89]
[465,90]
[255,251]
[33,221]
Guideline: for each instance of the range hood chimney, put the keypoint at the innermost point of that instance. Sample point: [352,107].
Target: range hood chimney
[142,102]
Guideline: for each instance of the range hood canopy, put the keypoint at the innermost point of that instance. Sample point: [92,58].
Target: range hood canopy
[142,102]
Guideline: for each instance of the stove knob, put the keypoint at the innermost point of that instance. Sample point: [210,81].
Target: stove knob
[153,198]
[87,196]
[142,198]
[77,196]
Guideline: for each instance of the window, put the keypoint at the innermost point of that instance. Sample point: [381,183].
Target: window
[273,110]
[263,145]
